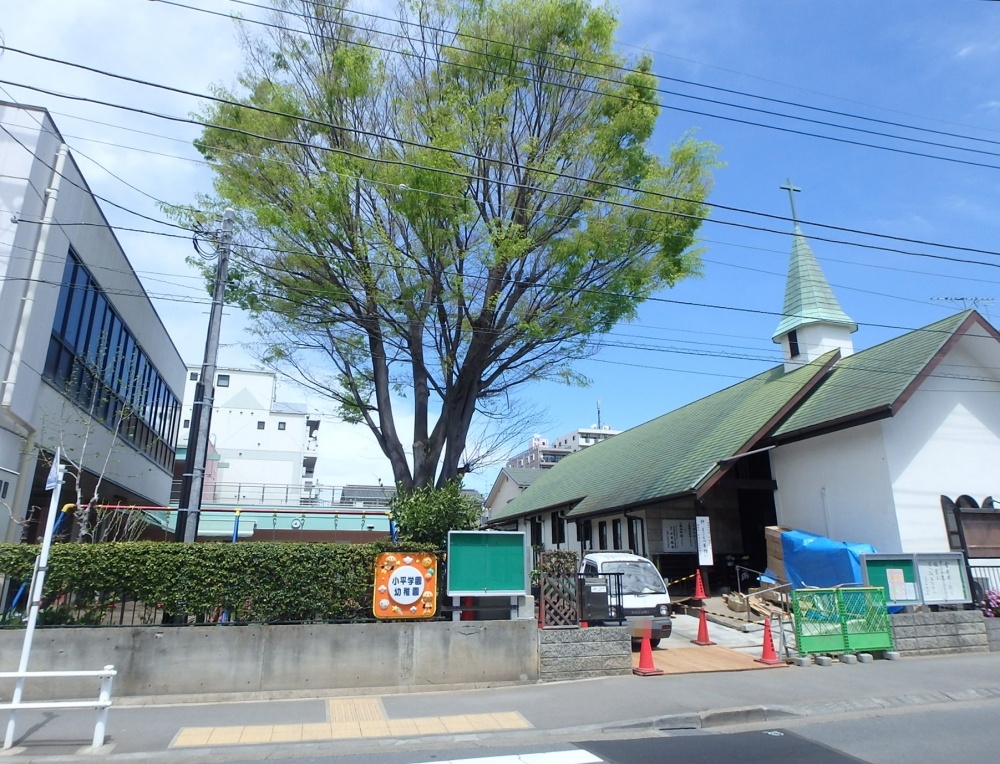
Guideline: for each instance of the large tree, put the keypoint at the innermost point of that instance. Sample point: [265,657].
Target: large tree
[441,208]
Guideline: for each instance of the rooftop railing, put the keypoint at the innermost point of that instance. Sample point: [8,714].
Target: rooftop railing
[273,494]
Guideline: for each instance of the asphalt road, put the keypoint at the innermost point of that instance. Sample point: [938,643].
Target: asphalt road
[919,735]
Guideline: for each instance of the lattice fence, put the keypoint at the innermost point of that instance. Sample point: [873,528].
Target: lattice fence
[559,607]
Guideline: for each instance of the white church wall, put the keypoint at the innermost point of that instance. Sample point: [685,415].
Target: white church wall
[944,440]
[814,340]
[837,485]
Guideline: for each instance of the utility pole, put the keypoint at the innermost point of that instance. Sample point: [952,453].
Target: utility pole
[189,506]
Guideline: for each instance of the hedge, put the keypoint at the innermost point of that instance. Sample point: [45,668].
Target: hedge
[260,582]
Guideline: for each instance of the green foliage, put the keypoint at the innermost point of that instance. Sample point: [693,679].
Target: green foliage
[454,215]
[425,515]
[263,582]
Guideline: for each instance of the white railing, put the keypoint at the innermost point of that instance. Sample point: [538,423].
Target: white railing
[102,704]
[291,495]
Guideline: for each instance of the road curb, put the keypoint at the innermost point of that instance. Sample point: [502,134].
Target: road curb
[720,717]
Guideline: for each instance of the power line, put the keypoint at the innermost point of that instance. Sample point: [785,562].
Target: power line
[234,153]
[555,192]
[632,71]
[555,54]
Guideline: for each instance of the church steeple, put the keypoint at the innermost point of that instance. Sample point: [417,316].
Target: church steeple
[813,322]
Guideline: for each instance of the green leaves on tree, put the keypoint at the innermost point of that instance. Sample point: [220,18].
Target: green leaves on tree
[453,215]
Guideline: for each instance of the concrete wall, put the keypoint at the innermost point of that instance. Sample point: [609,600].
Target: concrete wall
[947,631]
[584,653]
[993,633]
[276,659]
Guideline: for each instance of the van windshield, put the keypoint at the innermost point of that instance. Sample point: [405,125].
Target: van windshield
[637,577]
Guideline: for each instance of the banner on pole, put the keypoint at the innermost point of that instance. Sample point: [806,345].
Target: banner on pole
[53,479]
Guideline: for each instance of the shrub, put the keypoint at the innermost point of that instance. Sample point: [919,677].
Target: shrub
[260,582]
[425,515]
[991,604]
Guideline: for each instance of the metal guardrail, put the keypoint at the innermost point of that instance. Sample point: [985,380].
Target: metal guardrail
[985,578]
[102,704]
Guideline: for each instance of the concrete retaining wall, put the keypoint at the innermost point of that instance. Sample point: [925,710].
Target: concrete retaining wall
[220,660]
[993,633]
[583,653]
[947,631]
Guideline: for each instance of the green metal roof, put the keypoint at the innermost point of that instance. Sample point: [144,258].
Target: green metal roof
[670,455]
[808,297]
[873,379]
[523,476]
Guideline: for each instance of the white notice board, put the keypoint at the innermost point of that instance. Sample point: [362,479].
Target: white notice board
[704,541]
[943,579]
[680,536]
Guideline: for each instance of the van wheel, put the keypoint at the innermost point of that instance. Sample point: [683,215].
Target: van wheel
[654,643]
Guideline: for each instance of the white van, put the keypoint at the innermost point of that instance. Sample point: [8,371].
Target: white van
[645,601]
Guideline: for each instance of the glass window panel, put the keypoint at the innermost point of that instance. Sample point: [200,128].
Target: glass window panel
[52,358]
[126,365]
[95,333]
[112,358]
[65,368]
[65,292]
[75,309]
[82,330]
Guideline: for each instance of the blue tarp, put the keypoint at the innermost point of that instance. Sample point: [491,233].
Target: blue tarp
[812,560]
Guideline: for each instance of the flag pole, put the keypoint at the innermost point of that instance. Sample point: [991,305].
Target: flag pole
[53,483]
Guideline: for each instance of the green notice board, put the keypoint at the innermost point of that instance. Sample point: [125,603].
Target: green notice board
[895,574]
[487,563]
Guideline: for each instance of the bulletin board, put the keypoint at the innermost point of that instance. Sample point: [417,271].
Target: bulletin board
[918,579]
[493,563]
[896,574]
[943,579]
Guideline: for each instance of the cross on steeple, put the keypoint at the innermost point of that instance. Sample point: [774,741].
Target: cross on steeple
[791,198]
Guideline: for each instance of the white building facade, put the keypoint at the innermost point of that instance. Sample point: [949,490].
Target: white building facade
[262,449]
[87,365]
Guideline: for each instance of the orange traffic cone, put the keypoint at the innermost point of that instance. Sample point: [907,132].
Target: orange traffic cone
[702,630]
[646,666]
[768,655]
[699,587]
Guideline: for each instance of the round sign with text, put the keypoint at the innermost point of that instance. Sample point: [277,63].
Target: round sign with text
[406,584]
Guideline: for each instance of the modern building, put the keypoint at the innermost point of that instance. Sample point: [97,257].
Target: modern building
[855,446]
[541,455]
[87,366]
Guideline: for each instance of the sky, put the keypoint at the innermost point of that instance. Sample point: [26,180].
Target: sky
[886,115]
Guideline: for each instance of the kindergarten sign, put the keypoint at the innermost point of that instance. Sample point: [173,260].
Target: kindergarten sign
[405,585]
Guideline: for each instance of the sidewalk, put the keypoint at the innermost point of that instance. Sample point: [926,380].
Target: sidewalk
[325,726]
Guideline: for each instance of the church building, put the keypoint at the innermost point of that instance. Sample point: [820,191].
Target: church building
[855,446]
